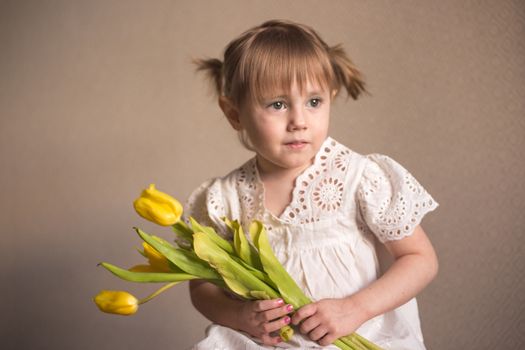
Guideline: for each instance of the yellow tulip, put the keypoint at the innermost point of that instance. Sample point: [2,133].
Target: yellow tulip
[116,302]
[158,207]
[157,261]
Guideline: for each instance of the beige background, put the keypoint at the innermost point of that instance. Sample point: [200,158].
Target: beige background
[98,99]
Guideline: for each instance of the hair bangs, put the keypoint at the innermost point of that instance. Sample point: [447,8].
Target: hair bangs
[277,60]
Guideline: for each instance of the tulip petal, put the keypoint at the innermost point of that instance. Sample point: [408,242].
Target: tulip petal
[157,261]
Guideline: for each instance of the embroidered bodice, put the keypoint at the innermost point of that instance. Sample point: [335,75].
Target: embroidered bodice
[390,201]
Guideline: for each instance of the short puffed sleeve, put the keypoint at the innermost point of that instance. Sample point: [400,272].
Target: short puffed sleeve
[205,205]
[391,200]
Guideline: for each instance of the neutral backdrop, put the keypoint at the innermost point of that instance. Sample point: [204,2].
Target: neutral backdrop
[99,98]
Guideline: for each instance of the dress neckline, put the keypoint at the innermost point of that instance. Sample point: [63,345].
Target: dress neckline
[287,213]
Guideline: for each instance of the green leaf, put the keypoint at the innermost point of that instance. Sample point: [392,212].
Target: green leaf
[260,274]
[243,248]
[185,260]
[183,231]
[146,277]
[142,253]
[259,295]
[228,222]
[255,231]
[228,268]
[210,232]
[286,285]
[237,287]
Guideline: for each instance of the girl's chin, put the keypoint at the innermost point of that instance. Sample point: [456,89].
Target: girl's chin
[297,163]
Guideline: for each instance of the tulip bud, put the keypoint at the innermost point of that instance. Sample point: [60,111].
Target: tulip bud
[116,302]
[157,261]
[158,207]
[286,333]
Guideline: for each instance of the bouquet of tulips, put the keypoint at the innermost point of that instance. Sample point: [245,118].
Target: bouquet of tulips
[250,270]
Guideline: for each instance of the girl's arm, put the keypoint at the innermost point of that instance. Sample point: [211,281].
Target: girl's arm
[259,318]
[415,266]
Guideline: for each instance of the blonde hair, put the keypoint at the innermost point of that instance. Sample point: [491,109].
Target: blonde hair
[271,56]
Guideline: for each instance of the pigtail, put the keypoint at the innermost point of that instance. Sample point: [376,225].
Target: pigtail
[213,69]
[346,73]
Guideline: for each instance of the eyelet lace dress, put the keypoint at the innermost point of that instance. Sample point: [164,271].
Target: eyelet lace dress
[325,238]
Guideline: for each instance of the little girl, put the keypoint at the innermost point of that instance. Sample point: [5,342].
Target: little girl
[324,206]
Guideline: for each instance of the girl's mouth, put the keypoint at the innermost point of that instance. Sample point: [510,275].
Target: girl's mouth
[296,145]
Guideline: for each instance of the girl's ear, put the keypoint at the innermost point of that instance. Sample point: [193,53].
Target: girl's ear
[230,111]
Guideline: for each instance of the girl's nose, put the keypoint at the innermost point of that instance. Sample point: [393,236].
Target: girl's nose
[297,120]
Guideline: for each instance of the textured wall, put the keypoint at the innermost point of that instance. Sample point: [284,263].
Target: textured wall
[98,99]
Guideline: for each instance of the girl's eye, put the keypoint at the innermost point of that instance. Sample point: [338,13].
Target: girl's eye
[277,105]
[314,102]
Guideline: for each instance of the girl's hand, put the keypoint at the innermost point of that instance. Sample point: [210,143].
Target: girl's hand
[262,318]
[327,320]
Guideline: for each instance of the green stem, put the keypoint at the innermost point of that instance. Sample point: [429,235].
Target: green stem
[341,345]
[357,342]
[367,343]
[160,290]
[183,231]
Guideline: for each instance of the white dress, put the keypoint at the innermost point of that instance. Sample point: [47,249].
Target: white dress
[325,237]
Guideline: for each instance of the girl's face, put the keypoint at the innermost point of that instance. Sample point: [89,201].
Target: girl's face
[287,129]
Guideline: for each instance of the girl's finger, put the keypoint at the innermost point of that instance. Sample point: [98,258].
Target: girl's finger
[318,333]
[274,326]
[303,313]
[263,305]
[272,314]
[309,324]
[269,340]
[327,340]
